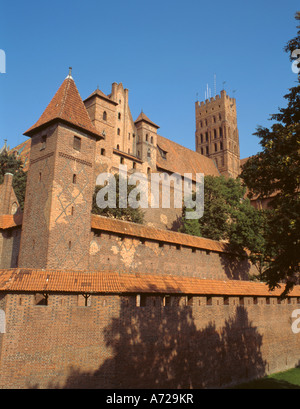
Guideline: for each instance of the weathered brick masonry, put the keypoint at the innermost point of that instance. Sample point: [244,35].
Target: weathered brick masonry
[99,303]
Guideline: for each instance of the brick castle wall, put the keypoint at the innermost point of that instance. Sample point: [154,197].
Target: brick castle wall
[113,341]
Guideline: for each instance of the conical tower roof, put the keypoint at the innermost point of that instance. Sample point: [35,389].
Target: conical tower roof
[66,106]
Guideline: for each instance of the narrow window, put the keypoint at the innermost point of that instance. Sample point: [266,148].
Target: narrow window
[122,161]
[209,300]
[143,300]
[207,151]
[134,165]
[70,245]
[202,151]
[74,178]
[226,300]
[189,300]
[146,137]
[102,152]
[149,153]
[119,115]
[215,133]
[129,150]
[216,147]
[221,145]
[220,132]
[43,142]
[118,131]
[104,116]
[118,147]
[201,137]
[151,139]
[40,176]
[77,143]
[206,136]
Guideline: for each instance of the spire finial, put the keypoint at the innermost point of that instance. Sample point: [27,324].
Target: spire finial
[70,73]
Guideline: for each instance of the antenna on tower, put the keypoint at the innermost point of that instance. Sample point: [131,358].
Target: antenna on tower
[215,85]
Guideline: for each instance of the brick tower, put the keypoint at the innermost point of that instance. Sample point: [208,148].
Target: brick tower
[217,134]
[57,214]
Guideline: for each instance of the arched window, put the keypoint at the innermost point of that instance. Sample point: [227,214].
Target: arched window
[104,116]
[151,139]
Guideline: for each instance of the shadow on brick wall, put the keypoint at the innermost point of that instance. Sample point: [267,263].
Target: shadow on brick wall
[235,267]
[162,347]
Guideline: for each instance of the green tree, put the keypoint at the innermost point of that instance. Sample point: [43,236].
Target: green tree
[10,164]
[228,216]
[275,172]
[128,213]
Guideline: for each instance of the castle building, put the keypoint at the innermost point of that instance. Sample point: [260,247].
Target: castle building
[94,302]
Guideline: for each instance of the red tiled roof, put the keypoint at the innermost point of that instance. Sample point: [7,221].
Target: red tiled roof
[183,160]
[10,220]
[22,152]
[32,280]
[151,233]
[67,106]
[143,117]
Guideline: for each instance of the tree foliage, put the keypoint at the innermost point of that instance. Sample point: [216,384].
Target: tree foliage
[128,213]
[228,216]
[10,164]
[275,172]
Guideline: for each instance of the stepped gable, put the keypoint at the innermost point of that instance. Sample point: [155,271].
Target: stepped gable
[178,159]
[67,106]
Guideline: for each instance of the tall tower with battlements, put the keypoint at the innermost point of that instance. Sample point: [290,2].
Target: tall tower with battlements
[217,134]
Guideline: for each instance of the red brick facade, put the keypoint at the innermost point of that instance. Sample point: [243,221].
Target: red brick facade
[99,303]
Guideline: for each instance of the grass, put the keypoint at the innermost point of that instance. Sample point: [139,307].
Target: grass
[282,380]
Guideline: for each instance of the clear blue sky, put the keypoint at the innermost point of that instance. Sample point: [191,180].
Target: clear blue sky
[164,52]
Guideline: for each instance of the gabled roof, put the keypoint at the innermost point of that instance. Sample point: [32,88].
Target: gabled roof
[100,94]
[67,106]
[143,117]
[179,159]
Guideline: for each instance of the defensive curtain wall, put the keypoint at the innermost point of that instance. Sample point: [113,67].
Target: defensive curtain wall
[155,309]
